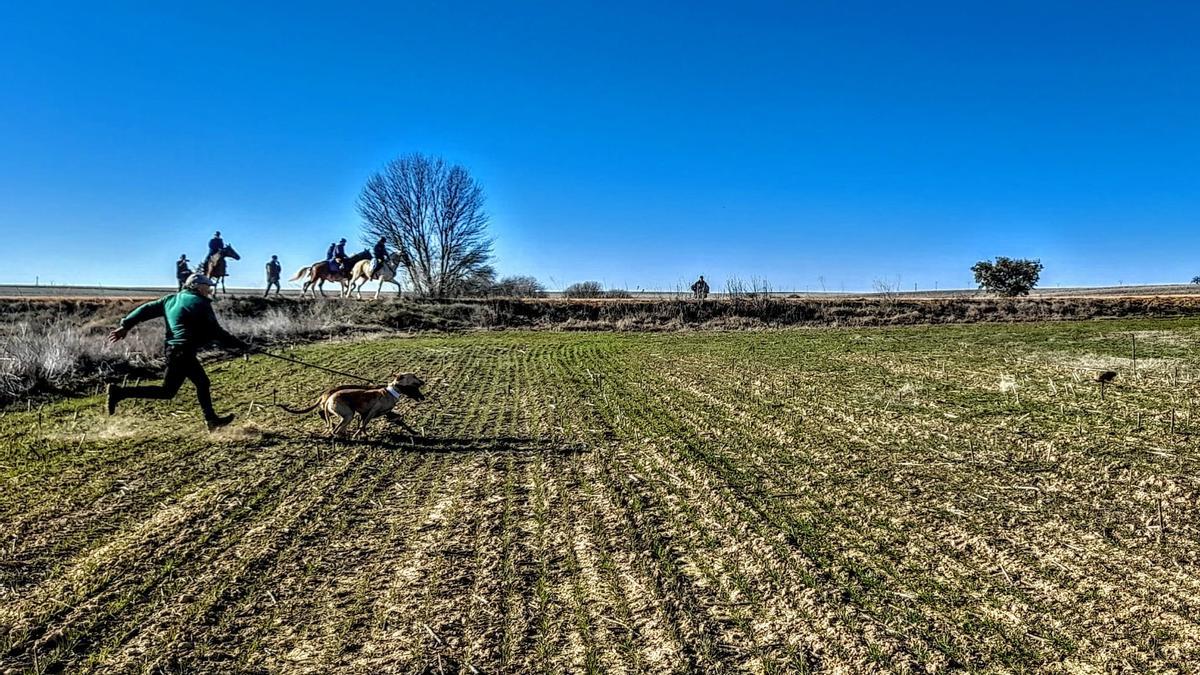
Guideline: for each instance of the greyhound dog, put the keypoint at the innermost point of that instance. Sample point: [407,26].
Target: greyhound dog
[338,405]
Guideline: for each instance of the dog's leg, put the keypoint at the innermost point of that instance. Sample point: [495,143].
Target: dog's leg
[396,418]
[328,417]
[345,423]
[363,420]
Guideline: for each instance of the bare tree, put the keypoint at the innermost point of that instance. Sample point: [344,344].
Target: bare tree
[432,214]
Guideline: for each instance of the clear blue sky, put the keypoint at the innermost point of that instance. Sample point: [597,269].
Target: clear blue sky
[637,144]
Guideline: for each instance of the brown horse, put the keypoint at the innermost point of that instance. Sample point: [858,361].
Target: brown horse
[318,273]
[214,266]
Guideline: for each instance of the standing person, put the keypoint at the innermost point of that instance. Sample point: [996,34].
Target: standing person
[700,288]
[380,254]
[191,324]
[182,270]
[273,271]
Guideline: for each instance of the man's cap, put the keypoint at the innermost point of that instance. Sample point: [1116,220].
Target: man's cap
[342,240]
[199,280]
[274,257]
[183,257]
[217,234]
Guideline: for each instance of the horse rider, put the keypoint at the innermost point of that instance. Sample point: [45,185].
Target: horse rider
[191,324]
[700,288]
[380,254]
[182,270]
[273,271]
[215,244]
[335,255]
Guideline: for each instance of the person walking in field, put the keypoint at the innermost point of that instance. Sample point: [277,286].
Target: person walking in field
[700,288]
[273,271]
[190,325]
[182,270]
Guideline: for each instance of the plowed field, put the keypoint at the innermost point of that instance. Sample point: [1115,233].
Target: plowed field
[908,499]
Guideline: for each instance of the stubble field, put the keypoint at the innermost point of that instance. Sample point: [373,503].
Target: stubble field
[911,499]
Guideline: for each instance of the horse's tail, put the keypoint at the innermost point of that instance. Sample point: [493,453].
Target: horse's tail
[303,270]
[300,411]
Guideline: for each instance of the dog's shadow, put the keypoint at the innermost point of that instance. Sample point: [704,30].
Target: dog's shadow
[402,442]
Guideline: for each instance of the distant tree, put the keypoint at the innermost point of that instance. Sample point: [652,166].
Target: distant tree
[584,289]
[481,282]
[1196,280]
[432,214]
[619,293]
[519,287]
[1007,276]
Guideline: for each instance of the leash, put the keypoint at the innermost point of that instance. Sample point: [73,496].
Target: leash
[311,365]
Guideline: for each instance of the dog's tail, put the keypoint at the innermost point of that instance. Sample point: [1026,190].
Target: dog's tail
[300,411]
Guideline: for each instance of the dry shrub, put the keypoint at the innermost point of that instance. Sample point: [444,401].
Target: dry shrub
[59,356]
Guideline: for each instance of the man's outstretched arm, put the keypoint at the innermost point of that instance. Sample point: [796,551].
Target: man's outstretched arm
[150,310]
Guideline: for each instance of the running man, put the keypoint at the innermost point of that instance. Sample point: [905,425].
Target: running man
[191,324]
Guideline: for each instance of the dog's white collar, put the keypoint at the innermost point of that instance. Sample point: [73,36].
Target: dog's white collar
[395,394]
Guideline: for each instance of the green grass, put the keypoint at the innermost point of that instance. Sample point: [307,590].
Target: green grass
[907,499]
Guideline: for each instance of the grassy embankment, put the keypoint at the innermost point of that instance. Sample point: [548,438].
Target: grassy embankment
[56,347]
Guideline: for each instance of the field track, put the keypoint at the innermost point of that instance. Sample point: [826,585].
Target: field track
[907,499]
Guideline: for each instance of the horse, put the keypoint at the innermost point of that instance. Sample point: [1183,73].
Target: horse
[318,273]
[214,265]
[360,275]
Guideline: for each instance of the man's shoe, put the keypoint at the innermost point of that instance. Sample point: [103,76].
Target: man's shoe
[218,422]
[114,396]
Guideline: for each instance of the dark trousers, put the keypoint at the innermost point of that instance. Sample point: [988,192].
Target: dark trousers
[272,281]
[182,364]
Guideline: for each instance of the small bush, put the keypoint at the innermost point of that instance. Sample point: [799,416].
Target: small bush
[519,287]
[584,289]
[618,294]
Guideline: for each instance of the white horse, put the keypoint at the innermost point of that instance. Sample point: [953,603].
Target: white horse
[361,274]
